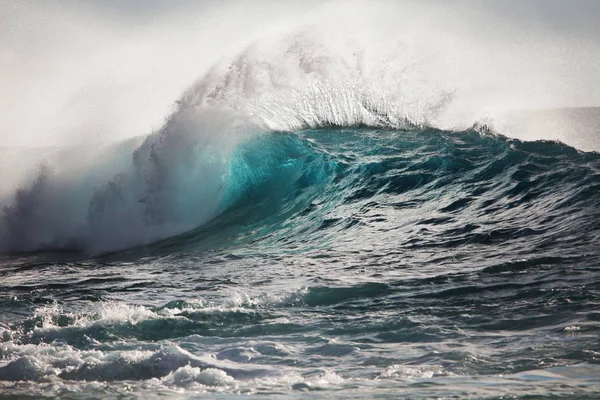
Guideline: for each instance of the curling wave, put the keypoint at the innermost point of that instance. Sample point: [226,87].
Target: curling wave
[426,188]
[299,141]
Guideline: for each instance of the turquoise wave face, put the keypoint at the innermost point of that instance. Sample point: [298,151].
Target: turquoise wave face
[426,188]
[275,176]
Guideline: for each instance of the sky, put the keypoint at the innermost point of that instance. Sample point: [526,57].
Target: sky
[85,70]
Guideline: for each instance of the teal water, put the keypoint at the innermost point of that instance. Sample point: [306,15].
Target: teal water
[338,262]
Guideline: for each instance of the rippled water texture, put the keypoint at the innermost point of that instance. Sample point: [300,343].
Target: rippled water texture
[344,263]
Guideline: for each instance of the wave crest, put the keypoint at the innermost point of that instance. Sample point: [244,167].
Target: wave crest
[210,154]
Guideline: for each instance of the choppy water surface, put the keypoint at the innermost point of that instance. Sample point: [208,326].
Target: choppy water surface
[343,263]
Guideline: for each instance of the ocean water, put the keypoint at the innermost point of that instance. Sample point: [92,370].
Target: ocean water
[342,263]
[319,217]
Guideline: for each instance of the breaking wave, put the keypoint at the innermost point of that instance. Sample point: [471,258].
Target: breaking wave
[275,143]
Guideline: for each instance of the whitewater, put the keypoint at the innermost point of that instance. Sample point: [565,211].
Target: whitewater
[385,211]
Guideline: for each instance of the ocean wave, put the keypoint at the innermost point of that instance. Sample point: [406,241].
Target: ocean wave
[275,186]
[260,140]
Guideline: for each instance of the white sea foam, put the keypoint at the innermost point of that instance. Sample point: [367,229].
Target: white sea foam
[187,376]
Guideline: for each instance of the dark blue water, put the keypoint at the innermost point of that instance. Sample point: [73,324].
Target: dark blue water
[346,263]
